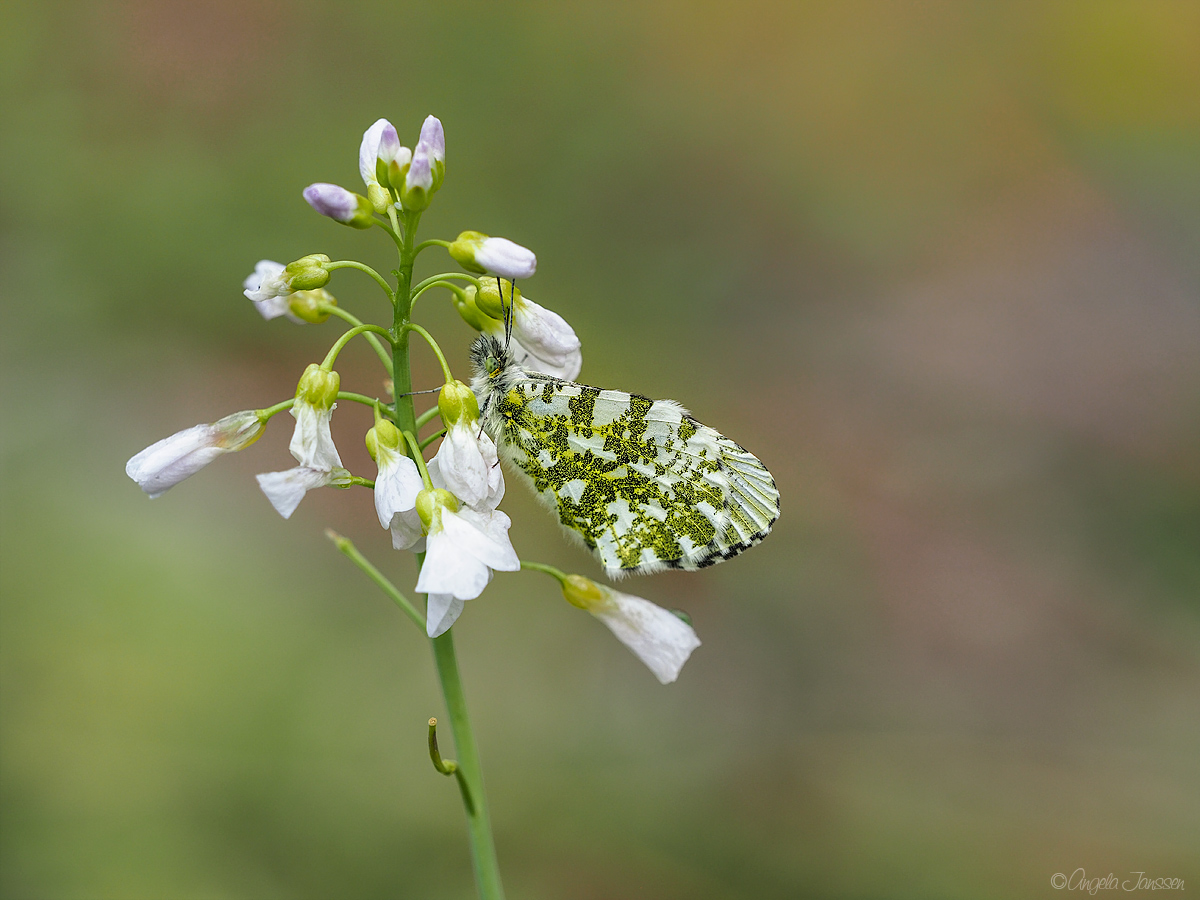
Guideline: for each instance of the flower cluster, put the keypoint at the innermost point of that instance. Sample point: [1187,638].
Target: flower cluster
[444,509]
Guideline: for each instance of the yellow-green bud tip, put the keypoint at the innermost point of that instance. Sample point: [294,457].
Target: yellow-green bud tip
[430,503]
[308,305]
[488,297]
[308,272]
[463,250]
[583,592]
[472,314]
[317,387]
[457,403]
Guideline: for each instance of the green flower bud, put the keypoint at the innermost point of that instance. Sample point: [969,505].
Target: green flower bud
[430,504]
[379,197]
[307,273]
[307,305]
[488,297]
[457,403]
[472,314]
[396,170]
[463,250]
[372,442]
[318,387]
[584,593]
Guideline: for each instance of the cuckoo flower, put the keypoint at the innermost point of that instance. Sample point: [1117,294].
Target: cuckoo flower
[311,445]
[164,464]
[658,637]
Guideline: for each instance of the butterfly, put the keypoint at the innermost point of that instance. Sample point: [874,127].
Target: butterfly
[640,482]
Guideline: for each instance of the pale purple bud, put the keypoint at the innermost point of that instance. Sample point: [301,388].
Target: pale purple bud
[434,137]
[379,142]
[332,200]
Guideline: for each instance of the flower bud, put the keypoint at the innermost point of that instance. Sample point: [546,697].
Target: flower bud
[385,434]
[490,301]
[584,593]
[456,403]
[318,387]
[431,502]
[164,464]
[476,252]
[307,273]
[417,190]
[472,314]
[308,306]
[433,137]
[380,147]
[340,204]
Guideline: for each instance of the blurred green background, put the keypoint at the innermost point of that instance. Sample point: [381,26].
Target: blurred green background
[935,263]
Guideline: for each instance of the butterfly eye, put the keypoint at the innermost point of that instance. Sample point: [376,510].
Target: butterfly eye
[492,365]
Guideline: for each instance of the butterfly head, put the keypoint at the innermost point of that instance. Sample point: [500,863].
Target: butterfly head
[490,358]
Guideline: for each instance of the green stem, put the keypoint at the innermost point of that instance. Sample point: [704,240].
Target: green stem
[363,267]
[332,355]
[434,279]
[433,345]
[462,295]
[549,570]
[348,548]
[479,829]
[428,416]
[419,459]
[391,231]
[384,356]
[360,398]
[483,849]
[432,242]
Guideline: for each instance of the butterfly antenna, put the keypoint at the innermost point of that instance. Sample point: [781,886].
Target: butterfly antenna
[412,393]
[508,310]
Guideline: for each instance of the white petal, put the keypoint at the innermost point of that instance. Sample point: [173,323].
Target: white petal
[658,637]
[502,257]
[285,490]
[462,463]
[165,463]
[483,534]
[397,486]
[312,444]
[441,611]
[406,531]
[265,282]
[272,307]
[449,569]
[381,136]
[548,338]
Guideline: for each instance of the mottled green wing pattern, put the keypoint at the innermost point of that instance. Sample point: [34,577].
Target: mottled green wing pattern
[643,484]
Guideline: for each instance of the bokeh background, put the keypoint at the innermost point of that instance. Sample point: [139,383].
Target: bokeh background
[936,263]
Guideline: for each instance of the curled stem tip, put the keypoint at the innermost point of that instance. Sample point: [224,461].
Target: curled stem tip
[449,767]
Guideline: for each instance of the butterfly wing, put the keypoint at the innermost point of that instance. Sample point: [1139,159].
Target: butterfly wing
[641,483]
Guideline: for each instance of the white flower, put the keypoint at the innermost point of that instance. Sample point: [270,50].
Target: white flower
[380,144]
[275,289]
[468,466]
[463,546]
[479,253]
[542,340]
[164,464]
[502,257]
[396,490]
[311,444]
[286,489]
[268,288]
[658,637]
